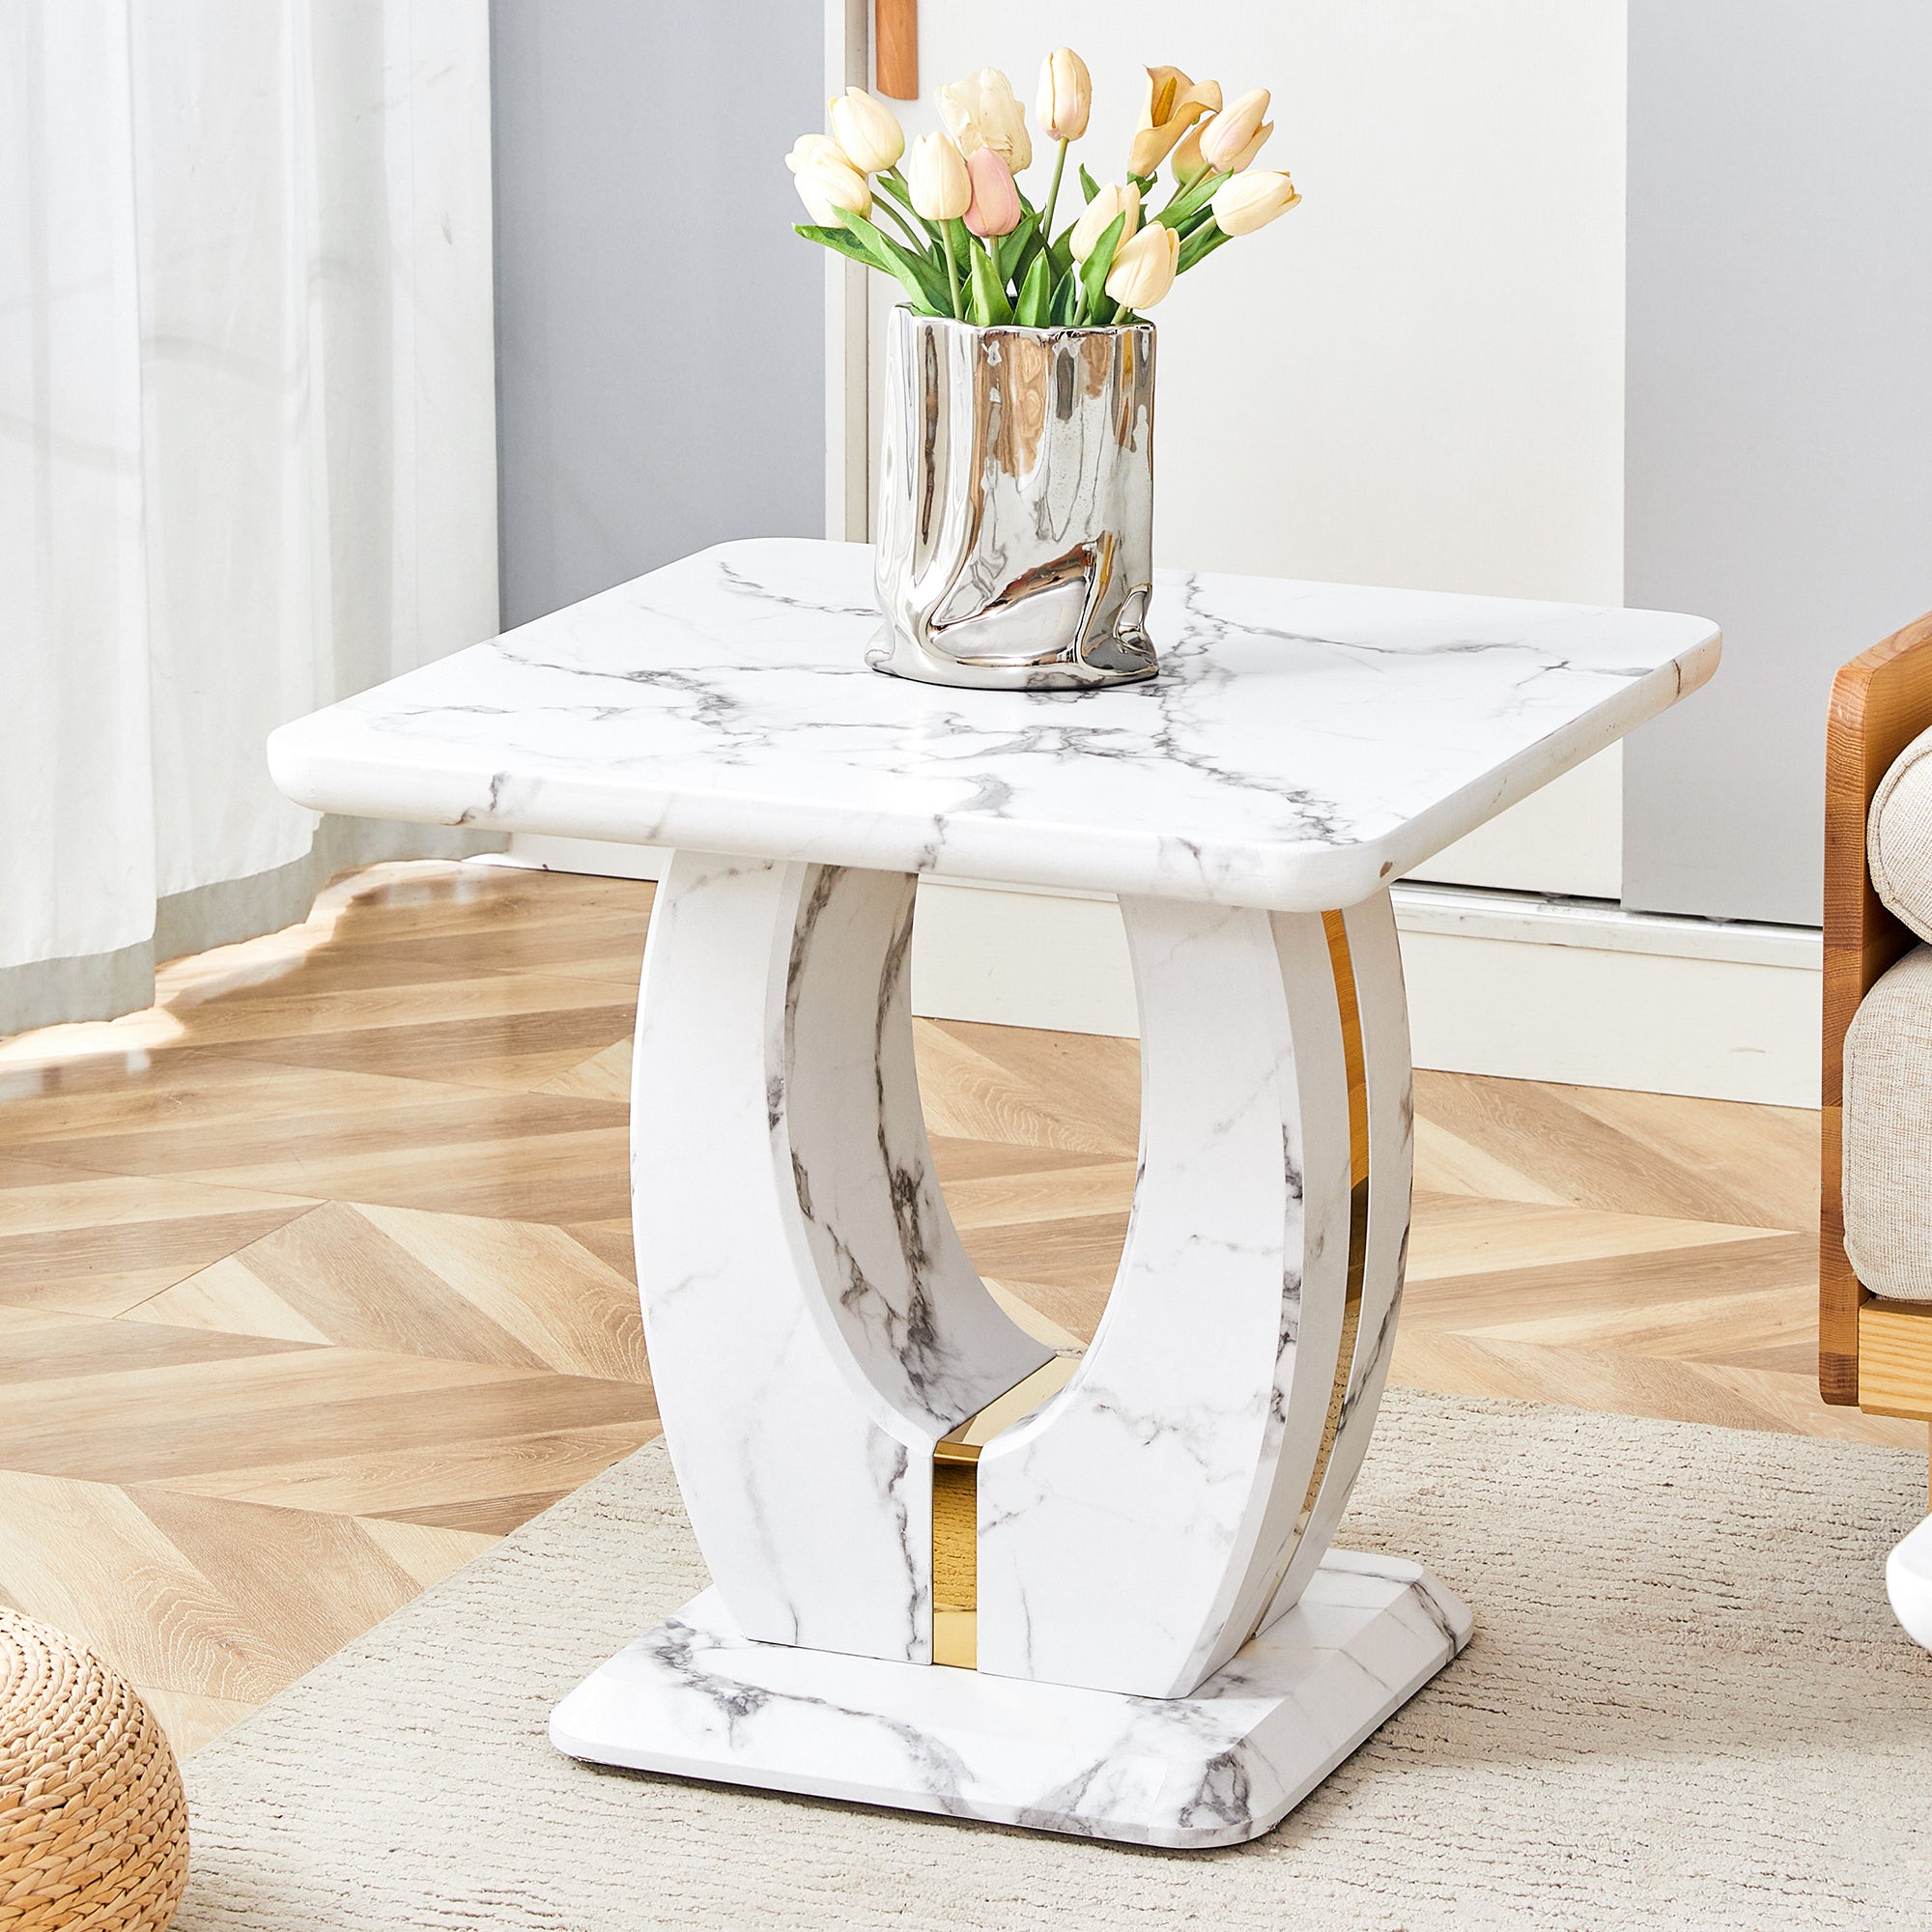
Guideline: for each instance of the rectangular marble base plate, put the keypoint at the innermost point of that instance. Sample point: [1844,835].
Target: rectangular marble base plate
[697,1699]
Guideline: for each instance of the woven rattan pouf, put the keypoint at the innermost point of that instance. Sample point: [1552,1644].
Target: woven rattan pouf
[92,1824]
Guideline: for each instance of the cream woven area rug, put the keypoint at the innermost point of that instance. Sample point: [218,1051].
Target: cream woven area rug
[1685,1706]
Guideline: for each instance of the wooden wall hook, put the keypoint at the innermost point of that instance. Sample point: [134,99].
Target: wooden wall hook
[895,48]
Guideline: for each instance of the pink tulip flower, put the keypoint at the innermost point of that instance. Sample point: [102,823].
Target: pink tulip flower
[995,206]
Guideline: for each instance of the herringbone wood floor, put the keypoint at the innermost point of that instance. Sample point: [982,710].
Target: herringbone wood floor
[317,1277]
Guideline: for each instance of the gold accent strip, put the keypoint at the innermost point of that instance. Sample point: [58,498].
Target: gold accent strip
[1342,965]
[964,1443]
[955,1509]
[956,1562]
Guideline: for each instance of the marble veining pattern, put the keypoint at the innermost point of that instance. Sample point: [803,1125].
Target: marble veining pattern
[1304,743]
[1376,963]
[1130,1529]
[813,1325]
[695,1698]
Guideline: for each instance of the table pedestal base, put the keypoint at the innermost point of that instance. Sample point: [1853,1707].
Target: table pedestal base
[697,1699]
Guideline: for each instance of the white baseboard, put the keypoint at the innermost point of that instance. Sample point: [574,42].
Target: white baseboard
[1504,983]
[1668,1021]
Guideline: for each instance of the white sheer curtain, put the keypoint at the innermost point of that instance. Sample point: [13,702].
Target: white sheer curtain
[247,448]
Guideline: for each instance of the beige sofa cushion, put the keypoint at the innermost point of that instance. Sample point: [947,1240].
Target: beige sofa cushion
[1889,1132]
[1899,836]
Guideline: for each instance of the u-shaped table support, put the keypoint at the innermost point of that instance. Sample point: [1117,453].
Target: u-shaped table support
[1154,1586]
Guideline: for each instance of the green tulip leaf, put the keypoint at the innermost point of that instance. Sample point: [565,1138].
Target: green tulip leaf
[901,207]
[1034,251]
[1065,305]
[837,240]
[1089,187]
[1036,294]
[925,284]
[1013,247]
[1095,271]
[990,306]
[1189,200]
[868,237]
[1199,246]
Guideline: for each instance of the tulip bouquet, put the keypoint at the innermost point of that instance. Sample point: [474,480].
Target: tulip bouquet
[972,246]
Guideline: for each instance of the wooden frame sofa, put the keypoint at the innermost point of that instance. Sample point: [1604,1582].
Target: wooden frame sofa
[1873,1351]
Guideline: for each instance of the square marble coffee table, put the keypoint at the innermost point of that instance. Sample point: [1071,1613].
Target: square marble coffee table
[954,1570]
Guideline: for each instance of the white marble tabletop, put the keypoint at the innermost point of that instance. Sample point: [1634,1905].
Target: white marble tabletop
[1304,744]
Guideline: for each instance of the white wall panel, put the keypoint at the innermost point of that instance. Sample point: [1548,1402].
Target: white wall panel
[1781,411]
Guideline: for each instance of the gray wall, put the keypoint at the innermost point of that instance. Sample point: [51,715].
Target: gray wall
[660,330]
[1779,429]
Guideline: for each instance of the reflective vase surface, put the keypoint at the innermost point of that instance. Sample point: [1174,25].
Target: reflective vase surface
[1015,517]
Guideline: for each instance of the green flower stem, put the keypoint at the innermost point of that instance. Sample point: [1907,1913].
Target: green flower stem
[921,240]
[895,186]
[952,267]
[898,198]
[1053,193]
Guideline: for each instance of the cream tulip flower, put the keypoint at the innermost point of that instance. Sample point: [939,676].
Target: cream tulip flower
[1066,96]
[1186,160]
[936,177]
[867,129]
[1252,201]
[1112,200]
[1143,269]
[1174,103]
[1236,130]
[982,111]
[829,183]
[811,148]
[1190,164]
[1247,155]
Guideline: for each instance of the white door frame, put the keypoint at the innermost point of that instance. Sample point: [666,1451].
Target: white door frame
[847,463]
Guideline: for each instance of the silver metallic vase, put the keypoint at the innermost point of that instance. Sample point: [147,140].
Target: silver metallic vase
[1015,517]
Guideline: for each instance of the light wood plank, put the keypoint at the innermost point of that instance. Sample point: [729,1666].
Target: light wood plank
[1895,1359]
[570,1310]
[1006,1200]
[380,1479]
[1459,1235]
[535,1176]
[427,1552]
[229,1297]
[970,1095]
[85,1558]
[605,1077]
[191,1721]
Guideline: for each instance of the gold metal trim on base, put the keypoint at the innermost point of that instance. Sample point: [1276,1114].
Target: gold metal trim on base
[955,1510]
